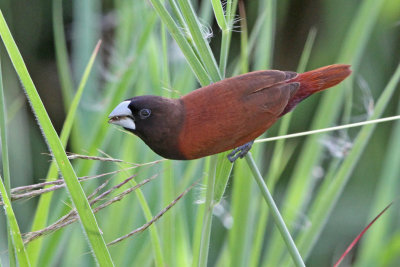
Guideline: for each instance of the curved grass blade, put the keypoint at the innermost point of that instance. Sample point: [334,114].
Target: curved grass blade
[265,44]
[190,56]
[203,48]
[43,208]
[76,192]
[223,171]
[22,256]
[208,212]
[219,14]
[325,200]
[328,109]
[279,222]
[386,190]
[61,54]
[5,159]
[277,164]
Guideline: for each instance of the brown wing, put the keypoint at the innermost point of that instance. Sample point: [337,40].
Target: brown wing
[234,111]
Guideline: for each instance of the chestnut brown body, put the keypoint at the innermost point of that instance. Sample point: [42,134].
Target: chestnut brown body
[223,115]
[232,112]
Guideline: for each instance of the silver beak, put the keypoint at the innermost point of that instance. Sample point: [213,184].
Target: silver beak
[122,116]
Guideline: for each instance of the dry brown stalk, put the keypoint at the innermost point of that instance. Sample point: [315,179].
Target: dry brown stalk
[29,191]
[155,218]
[72,216]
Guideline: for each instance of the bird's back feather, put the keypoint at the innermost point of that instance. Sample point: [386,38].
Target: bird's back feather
[232,112]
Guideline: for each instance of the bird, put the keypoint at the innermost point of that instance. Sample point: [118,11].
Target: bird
[225,115]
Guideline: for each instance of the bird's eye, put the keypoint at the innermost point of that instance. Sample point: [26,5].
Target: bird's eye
[144,113]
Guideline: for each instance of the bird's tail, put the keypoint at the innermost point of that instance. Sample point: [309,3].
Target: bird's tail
[315,81]
[322,78]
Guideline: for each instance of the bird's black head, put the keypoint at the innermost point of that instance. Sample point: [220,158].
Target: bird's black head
[156,120]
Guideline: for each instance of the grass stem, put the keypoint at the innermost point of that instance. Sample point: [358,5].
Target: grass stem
[291,246]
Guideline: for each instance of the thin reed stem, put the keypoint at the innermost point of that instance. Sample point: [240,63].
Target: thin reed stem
[291,246]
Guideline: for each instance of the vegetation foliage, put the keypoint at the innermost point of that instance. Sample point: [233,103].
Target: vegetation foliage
[112,201]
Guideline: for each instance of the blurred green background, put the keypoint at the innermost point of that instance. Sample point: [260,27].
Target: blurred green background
[130,60]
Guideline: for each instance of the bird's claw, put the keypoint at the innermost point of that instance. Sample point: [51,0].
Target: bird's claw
[240,152]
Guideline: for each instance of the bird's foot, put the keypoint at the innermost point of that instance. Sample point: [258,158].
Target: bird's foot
[240,152]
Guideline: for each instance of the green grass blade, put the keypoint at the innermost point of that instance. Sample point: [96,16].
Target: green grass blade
[259,234]
[169,220]
[183,248]
[76,192]
[185,30]
[244,56]
[223,171]
[177,13]
[176,33]
[327,111]
[67,87]
[239,239]
[265,43]
[280,224]
[157,248]
[305,56]
[223,59]
[204,52]
[325,201]
[86,15]
[219,14]
[5,159]
[201,43]
[225,42]
[208,213]
[226,37]
[43,209]
[63,67]
[118,93]
[276,166]
[276,162]
[197,234]
[19,248]
[331,101]
[385,193]
[168,182]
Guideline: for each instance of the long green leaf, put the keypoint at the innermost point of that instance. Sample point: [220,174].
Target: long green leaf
[118,91]
[265,40]
[208,212]
[201,43]
[22,256]
[6,165]
[275,167]
[226,37]
[173,29]
[75,190]
[386,191]
[328,109]
[43,208]
[224,169]
[239,240]
[63,67]
[219,14]
[325,201]
[61,53]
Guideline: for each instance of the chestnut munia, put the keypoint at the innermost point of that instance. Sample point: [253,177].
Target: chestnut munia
[221,116]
